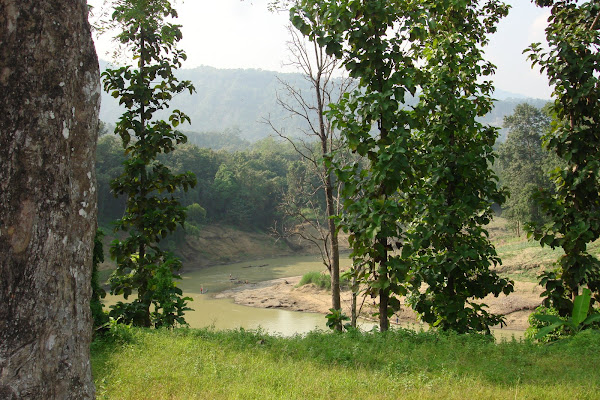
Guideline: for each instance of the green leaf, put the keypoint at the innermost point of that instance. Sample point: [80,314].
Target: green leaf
[595,317]
[581,306]
[553,319]
[548,329]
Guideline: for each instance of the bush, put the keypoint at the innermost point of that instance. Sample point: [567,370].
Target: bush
[192,230]
[196,214]
[321,280]
[535,325]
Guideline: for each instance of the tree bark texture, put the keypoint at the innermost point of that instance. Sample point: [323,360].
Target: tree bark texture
[49,103]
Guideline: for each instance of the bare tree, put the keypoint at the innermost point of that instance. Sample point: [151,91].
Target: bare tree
[317,144]
[49,97]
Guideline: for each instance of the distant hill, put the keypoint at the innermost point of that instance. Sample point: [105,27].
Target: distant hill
[237,100]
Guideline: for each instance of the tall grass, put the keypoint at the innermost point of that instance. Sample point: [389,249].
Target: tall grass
[321,280]
[204,364]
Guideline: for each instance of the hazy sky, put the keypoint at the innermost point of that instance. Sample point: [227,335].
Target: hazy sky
[244,34]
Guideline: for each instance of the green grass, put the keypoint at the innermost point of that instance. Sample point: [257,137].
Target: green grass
[524,259]
[205,364]
[321,280]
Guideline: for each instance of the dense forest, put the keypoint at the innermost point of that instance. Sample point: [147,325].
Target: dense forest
[239,188]
[242,170]
[243,183]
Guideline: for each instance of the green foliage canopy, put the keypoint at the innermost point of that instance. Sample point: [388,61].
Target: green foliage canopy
[448,243]
[415,212]
[356,33]
[152,211]
[522,162]
[572,63]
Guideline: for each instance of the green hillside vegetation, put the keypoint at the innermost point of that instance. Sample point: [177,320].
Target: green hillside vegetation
[399,364]
[241,188]
[234,102]
[228,100]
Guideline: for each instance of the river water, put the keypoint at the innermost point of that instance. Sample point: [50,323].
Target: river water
[225,314]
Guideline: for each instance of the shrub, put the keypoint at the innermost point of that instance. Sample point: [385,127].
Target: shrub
[322,280]
[535,325]
[319,279]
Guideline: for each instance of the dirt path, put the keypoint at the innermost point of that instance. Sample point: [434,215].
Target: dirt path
[283,293]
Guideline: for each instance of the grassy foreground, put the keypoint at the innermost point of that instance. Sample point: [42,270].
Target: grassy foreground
[204,364]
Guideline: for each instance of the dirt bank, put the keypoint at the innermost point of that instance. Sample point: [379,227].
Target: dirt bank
[220,244]
[223,245]
[283,293]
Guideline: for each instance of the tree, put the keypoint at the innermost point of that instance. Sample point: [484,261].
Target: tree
[310,222]
[196,214]
[522,161]
[152,210]
[369,37]
[572,63]
[447,239]
[415,213]
[49,96]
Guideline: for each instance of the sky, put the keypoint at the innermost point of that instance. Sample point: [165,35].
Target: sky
[244,34]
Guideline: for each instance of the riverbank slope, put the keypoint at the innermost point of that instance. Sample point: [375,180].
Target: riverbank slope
[222,244]
[284,293]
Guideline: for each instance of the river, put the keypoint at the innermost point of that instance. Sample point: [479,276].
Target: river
[225,314]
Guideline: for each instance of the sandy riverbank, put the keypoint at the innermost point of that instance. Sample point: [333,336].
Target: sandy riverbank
[283,293]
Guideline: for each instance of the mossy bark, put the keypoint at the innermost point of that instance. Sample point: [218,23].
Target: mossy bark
[49,97]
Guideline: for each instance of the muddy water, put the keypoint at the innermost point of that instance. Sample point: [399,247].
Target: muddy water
[224,314]
[203,284]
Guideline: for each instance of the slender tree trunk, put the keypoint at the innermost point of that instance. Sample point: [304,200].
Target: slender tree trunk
[354,316]
[49,97]
[384,293]
[335,251]
[384,297]
[143,194]
[333,237]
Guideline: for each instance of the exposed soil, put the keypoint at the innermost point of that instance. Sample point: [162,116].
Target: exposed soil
[223,245]
[283,293]
[219,244]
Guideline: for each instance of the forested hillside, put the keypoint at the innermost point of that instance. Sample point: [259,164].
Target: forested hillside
[242,188]
[226,100]
[235,101]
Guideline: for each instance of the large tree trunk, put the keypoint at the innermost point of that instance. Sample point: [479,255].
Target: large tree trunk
[49,102]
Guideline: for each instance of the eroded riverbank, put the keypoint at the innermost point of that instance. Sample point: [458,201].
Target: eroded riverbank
[282,293]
